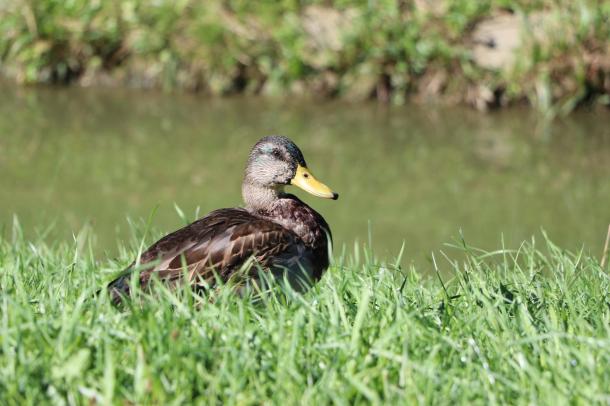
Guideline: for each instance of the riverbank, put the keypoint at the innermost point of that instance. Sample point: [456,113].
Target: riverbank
[551,55]
[510,326]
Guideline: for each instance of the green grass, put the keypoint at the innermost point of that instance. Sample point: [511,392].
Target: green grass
[525,326]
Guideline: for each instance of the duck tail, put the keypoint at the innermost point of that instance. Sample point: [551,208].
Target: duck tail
[119,289]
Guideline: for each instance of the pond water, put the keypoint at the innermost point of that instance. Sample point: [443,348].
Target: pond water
[418,174]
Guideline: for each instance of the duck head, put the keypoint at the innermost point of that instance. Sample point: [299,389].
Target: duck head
[274,163]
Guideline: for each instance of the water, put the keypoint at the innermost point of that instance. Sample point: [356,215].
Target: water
[422,175]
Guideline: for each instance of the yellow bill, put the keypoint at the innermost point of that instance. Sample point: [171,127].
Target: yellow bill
[305,180]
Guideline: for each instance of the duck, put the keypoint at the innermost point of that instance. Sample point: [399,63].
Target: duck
[274,232]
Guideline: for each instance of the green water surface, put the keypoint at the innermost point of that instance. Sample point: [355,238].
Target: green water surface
[418,174]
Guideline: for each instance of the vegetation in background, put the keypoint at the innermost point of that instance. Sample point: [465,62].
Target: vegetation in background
[553,53]
[513,326]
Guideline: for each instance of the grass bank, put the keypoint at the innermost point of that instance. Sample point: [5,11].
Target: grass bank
[553,54]
[516,327]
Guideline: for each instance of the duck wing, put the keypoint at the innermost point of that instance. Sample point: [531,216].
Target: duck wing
[215,245]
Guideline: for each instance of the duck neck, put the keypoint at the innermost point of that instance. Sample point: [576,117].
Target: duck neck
[260,198]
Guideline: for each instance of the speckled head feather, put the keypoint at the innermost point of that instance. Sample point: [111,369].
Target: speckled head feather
[273,161]
[282,144]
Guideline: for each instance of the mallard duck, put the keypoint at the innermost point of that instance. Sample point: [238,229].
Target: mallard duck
[275,231]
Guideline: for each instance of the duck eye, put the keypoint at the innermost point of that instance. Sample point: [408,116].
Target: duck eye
[276,154]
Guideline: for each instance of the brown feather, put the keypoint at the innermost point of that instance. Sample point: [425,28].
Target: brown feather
[217,244]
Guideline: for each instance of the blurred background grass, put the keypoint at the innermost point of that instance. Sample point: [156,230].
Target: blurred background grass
[550,54]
